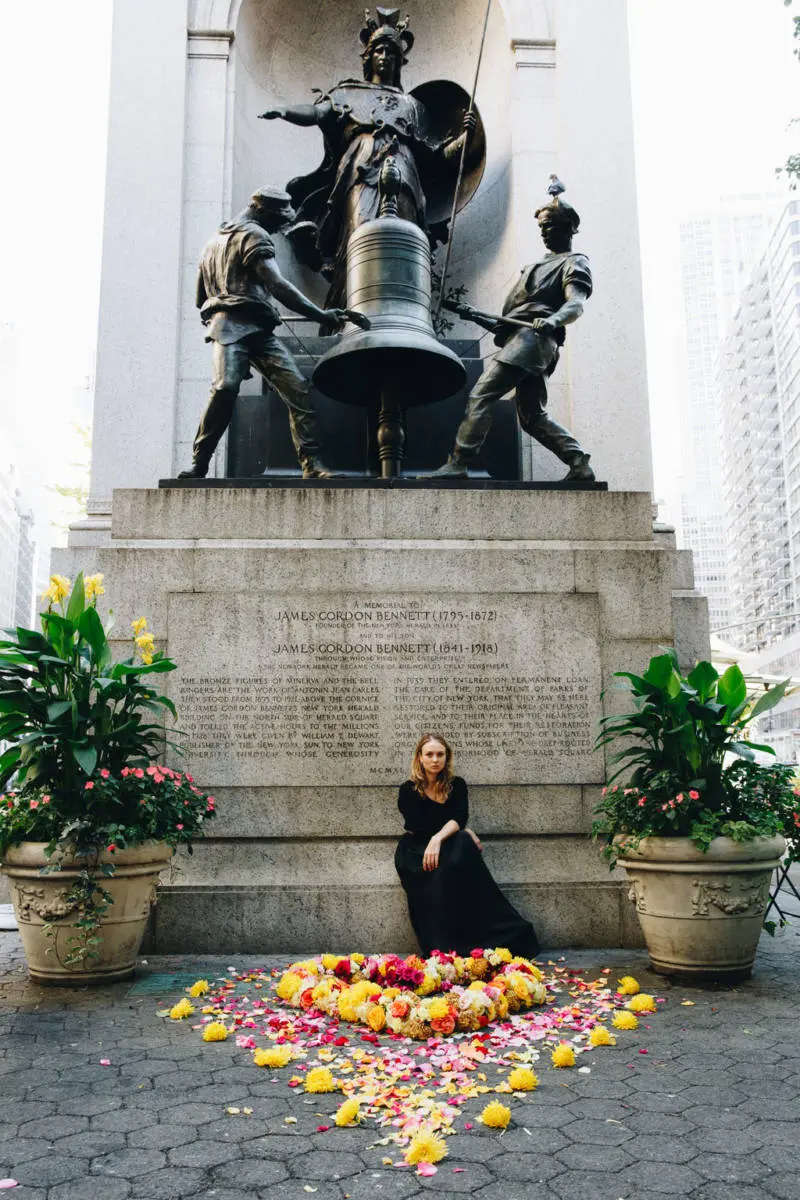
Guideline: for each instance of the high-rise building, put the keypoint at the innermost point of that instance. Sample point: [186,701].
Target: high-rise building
[758,378]
[17,554]
[716,251]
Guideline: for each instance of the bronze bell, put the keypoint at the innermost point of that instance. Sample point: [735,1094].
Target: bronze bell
[398,362]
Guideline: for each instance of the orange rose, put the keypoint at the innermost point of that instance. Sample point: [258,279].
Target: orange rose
[307,998]
[400,1008]
[444,1024]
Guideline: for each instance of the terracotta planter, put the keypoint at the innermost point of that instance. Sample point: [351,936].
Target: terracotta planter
[41,900]
[701,914]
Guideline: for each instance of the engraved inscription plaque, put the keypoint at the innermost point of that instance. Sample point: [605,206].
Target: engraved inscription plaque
[333,689]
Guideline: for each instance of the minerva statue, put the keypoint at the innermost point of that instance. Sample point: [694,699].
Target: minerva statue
[363,122]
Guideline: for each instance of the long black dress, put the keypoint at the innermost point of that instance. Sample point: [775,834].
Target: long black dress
[458,906]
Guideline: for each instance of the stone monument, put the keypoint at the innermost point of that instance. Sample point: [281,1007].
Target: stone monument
[320,625]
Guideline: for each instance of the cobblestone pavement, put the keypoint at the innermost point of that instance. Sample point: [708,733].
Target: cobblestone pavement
[711,1112]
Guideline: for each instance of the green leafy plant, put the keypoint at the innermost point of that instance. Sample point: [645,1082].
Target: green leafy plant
[65,707]
[83,734]
[691,772]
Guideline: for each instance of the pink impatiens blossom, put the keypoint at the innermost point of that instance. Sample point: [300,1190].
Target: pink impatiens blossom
[88,786]
[34,804]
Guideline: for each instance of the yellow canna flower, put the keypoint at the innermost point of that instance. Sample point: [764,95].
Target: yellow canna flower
[523,1079]
[347,1113]
[601,1037]
[426,1147]
[625,1020]
[139,625]
[319,1079]
[563,1055]
[215,1032]
[495,1115]
[93,587]
[58,590]
[180,1010]
[628,986]
[200,988]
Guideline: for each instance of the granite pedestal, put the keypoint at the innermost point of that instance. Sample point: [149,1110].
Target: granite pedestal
[318,630]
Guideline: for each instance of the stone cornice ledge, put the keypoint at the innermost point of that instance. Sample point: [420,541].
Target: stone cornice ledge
[209,43]
[534,52]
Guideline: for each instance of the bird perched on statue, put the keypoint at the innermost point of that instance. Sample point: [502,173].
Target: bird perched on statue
[555,187]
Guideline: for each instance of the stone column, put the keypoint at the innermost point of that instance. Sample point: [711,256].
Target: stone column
[206,202]
[138,331]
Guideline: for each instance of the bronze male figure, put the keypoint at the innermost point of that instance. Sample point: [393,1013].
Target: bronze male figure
[237,285]
[547,296]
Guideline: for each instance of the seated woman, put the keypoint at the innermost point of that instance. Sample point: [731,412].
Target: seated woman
[453,901]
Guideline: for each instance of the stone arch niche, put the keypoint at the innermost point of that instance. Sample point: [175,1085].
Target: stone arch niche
[281,52]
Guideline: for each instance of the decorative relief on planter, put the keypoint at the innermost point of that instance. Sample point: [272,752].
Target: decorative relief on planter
[734,897]
[32,901]
[636,894]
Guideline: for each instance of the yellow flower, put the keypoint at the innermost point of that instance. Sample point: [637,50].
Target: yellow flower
[523,1079]
[601,1037]
[357,958]
[495,1115]
[428,985]
[625,1020]
[628,986]
[319,1079]
[503,954]
[376,1018]
[93,587]
[58,590]
[200,988]
[426,1147]
[272,1056]
[180,1010]
[208,1010]
[307,966]
[563,1055]
[215,1032]
[347,1113]
[288,985]
[329,961]
[139,625]
[438,1008]
[641,1003]
[146,647]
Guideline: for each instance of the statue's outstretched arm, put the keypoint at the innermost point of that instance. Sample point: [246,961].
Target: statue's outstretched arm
[575,298]
[298,114]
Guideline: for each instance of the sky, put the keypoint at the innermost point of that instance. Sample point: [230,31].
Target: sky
[714,87]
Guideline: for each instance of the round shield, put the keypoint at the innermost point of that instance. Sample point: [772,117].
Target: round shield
[445,103]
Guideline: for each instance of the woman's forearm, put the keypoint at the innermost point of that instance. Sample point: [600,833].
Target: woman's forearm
[447,830]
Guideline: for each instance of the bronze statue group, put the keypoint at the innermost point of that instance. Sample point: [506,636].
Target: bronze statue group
[454,903]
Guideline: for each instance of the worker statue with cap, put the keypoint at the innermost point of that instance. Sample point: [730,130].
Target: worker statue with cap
[546,297]
[237,285]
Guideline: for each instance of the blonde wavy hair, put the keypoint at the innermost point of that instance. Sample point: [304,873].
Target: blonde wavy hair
[445,780]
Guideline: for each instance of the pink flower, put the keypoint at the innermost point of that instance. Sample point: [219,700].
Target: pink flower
[139,773]
[45,799]
[179,827]
[151,770]
[34,804]
[88,786]
[158,779]
[679,797]
[125,772]
[641,801]
[104,773]
[112,847]
[693,795]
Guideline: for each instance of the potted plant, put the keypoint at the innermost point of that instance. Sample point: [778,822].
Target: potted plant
[88,816]
[699,824]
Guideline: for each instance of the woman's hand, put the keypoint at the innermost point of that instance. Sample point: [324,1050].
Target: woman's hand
[430,859]
[474,837]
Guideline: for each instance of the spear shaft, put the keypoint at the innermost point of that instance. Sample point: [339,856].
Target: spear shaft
[462,158]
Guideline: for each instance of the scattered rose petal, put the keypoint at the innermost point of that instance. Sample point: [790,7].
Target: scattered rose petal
[105,1062]
[308,1188]
[427,1169]
[323,1128]
[8,1183]
[643,1051]
[233,1111]
[584,1070]
[248,1111]
[290,1120]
